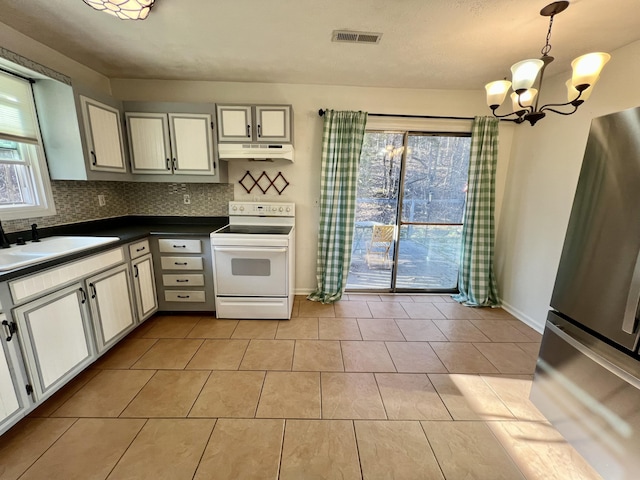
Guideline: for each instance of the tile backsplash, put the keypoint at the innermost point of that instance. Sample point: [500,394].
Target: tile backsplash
[77,201]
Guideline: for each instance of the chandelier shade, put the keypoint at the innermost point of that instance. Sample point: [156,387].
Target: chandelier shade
[524,74]
[123,9]
[527,74]
[587,68]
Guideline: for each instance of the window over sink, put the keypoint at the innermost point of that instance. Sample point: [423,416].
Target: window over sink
[25,189]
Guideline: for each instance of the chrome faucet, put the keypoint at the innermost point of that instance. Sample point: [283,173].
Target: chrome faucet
[4,241]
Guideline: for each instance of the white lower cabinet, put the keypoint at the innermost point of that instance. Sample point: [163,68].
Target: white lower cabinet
[56,338]
[144,286]
[111,303]
[10,400]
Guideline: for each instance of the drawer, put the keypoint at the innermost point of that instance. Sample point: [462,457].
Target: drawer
[138,249]
[177,245]
[187,296]
[186,280]
[181,263]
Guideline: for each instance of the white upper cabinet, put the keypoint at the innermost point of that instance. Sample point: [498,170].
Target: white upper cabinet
[191,143]
[103,131]
[235,123]
[273,123]
[170,143]
[81,131]
[149,142]
[254,123]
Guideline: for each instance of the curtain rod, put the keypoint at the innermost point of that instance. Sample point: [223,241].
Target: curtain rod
[321,113]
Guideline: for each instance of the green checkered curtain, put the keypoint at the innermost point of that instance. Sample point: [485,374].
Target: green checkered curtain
[342,138]
[476,279]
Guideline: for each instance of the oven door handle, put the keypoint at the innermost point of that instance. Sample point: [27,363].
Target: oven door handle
[250,249]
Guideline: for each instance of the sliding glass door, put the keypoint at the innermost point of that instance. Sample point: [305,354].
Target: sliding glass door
[411,194]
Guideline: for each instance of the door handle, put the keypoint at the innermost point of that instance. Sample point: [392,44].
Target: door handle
[249,131]
[250,249]
[84,295]
[174,165]
[630,318]
[135,269]
[259,131]
[93,290]
[94,160]
[168,164]
[11,328]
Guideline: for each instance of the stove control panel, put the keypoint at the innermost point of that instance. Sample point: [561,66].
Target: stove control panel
[260,209]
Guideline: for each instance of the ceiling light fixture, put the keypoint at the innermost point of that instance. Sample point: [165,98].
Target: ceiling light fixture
[123,9]
[525,98]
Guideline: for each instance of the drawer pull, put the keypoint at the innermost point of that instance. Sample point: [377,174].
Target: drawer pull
[182,296]
[186,280]
[179,246]
[141,249]
[180,263]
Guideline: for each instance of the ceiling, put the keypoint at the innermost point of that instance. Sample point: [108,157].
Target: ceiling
[436,44]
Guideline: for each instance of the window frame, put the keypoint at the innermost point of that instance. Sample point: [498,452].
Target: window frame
[34,161]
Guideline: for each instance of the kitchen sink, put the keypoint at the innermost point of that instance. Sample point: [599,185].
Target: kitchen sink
[22,255]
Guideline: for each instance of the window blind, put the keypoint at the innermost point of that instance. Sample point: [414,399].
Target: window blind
[18,120]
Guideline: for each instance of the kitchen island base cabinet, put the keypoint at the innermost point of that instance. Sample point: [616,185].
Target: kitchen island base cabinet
[111,306]
[56,338]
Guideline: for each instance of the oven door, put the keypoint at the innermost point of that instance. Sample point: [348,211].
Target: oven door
[250,271]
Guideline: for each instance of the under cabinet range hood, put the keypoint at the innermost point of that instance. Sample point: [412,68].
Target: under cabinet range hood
[255,151]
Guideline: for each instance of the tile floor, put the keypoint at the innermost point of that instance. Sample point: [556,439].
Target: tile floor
[373,387]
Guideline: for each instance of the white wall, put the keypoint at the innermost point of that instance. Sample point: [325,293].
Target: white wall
[304,174]
[541,182]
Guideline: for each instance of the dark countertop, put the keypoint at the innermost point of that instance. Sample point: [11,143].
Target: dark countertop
[128,229]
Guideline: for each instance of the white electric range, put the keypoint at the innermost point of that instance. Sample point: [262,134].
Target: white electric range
[254,261]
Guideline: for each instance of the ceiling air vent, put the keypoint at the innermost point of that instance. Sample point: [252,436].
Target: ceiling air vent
[355,37]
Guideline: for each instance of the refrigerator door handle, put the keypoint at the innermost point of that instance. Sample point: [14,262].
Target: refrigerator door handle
[630,320]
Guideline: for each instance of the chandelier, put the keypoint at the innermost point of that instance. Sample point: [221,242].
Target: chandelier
[123,9]
[524,98]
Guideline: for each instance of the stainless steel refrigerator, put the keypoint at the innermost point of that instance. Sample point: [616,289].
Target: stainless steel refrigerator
[587,380]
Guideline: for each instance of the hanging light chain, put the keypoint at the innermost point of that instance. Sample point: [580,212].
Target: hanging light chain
[547,47]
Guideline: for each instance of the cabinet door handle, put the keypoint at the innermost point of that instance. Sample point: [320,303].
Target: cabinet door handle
[180,263]
[135,269]
[182,296]
[179,280]
[259,132]
[179,246]
[249,131]
[94,160]
[11,329]
[141,249]
[174,165]
[93,290]
[84,295]
[168,164]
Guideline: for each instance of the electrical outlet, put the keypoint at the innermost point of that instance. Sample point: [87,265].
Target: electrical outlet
[186,198]
[101,200]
